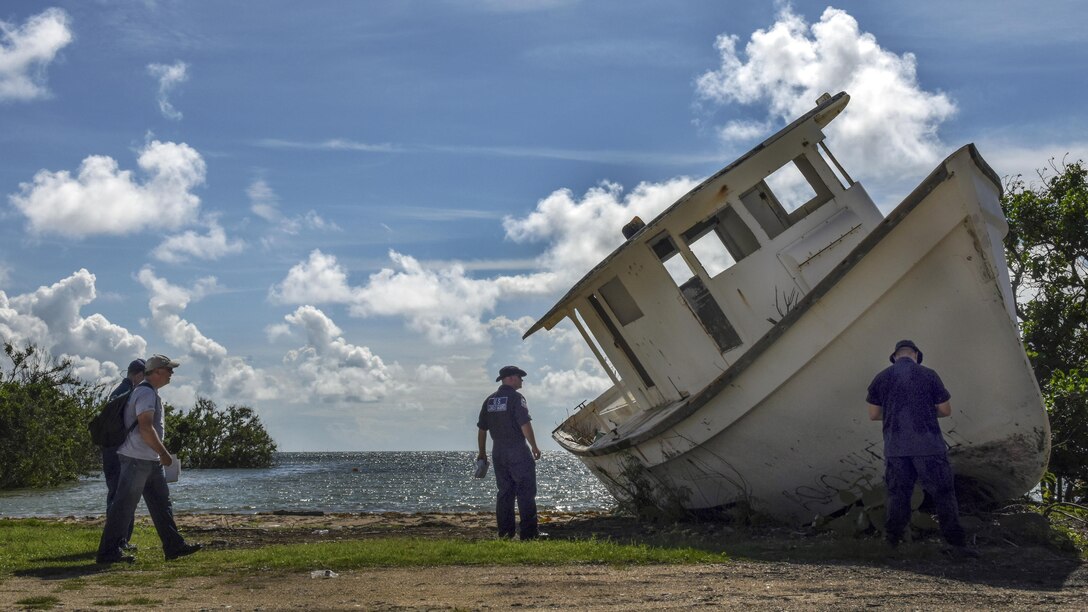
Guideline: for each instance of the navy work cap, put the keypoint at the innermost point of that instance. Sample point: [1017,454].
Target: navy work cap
[137,365]
[510,371]
[905,344]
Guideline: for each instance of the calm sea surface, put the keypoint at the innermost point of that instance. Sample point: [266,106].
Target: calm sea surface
[335,482]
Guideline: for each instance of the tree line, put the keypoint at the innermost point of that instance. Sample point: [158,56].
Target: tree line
[44,410]
[1047,253]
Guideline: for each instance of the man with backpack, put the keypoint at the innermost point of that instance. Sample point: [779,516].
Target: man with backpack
[143,457]
[111,463]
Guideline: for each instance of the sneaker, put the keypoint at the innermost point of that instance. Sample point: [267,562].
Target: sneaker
[129,546]
[111,560]
[185,550]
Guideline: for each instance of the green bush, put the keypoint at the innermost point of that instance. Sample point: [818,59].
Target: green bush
[206,437]
[44,411]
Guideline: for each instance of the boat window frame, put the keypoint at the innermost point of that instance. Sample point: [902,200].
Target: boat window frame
[620,301]
[768,211]
[734,234]
[696,295]
[619,341]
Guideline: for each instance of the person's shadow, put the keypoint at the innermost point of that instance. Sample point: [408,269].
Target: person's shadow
[64,568]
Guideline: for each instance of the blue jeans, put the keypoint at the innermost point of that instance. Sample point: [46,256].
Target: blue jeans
[139,477]
[111,467]
[517,480]
[900,474]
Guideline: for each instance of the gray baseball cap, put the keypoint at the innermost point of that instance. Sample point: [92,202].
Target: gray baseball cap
[155,362]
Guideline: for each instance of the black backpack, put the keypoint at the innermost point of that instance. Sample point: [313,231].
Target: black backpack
[108,426]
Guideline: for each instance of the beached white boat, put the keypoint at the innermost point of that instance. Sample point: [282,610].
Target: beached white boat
[742,326]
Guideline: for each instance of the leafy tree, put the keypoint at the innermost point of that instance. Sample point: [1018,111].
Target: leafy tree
[1067,402]
[206,437]
[44,409]
[1047,253]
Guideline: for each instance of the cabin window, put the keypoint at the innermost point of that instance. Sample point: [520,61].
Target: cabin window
[667,252]
[620,301]
[770,215]
[740,240]
[620,342]
[790,187]
[786,196]
[721,241]
[710,314]
[712,254]
[696,294]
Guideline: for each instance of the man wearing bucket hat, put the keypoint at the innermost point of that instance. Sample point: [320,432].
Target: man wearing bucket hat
[143,457]
[505,414]
[909,398]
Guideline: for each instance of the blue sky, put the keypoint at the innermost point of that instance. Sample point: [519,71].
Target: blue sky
[345,214]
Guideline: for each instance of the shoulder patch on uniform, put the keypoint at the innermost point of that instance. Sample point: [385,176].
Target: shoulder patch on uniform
[496,404]
[524,404]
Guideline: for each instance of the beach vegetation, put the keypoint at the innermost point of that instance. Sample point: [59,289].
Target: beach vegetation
[44,409]
[131,601]
[1047,253]
[207,437]
[39,602]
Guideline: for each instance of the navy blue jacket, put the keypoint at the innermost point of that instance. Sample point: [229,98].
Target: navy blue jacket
[908,394]
[502,414]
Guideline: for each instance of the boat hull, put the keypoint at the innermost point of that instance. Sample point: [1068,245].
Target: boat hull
[786,428]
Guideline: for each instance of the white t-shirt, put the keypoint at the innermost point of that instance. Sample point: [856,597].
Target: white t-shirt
[143,399]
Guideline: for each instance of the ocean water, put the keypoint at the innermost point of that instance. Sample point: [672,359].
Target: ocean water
[334,482]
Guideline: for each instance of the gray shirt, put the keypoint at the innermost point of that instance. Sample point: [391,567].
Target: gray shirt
[144,398]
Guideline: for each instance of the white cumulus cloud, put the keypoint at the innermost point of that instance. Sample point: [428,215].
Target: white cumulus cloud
[890,127]
[318,280]
[332,369]
[189,244]
[51,317]
[169,76]
[26,51]
[103,199]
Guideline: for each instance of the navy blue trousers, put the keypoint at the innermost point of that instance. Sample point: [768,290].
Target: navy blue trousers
[517,481]
[935,473]
[111,468]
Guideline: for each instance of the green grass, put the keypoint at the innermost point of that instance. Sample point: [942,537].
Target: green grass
[41,548]
[132,601]
[43,602]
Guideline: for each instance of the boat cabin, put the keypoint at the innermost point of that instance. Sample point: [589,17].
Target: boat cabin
[679,302]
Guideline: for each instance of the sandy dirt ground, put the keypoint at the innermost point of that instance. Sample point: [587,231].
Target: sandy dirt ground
[768,573]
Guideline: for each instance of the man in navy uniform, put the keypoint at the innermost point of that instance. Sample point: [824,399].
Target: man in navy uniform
[909,398]
[505,414]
